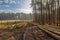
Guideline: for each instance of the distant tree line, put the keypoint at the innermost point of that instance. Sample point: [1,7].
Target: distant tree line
[15,16]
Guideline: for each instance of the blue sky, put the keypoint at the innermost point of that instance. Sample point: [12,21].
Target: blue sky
[15,6]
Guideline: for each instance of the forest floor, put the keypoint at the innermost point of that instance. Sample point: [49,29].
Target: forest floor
[24,31]
[19,30]
[55,29]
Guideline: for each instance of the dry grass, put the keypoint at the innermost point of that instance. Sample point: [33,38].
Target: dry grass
[12,21]
[6,23]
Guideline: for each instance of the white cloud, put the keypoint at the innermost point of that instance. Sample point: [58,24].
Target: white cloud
[2,11]
[18,2]
[26,7]
[18,10]
[26,4]
[6,11]
[7,6]
[24,10]
[6,1]
[12,1]
[1,2]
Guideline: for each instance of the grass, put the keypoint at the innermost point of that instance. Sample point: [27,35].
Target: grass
[6,23]
[13,21]
[9,21]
